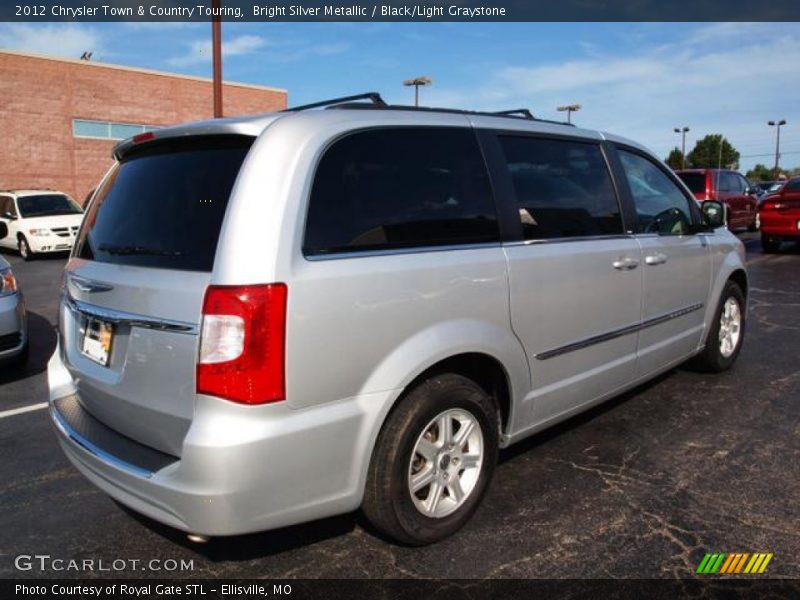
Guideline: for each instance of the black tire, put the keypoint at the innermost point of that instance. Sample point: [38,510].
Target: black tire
[770,243]
[24,249]
[387,499]
[755,225]
[711,359]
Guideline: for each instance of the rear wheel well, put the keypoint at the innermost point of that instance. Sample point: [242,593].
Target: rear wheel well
[484,370]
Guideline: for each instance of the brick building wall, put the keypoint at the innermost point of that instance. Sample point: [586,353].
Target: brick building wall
[40,96]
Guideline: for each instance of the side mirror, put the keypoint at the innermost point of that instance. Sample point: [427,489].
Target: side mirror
[714,214]
[3,230]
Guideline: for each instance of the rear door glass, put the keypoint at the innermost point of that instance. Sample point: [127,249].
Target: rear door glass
[163,205]
[563,188]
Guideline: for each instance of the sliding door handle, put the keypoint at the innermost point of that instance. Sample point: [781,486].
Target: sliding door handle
[655,259]
[625,264]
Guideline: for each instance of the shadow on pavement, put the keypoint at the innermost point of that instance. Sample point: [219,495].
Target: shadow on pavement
[42,340]
[255,545]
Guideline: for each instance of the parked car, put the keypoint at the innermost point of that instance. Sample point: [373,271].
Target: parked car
[773,186]
[13,322]
[39,221]
[729,187]
[780,216]
[315,310]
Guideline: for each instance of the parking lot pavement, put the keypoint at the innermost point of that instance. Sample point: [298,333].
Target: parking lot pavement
[642,486]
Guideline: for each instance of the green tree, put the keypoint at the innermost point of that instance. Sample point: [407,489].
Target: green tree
[706,153]
[675,159]
[760,173]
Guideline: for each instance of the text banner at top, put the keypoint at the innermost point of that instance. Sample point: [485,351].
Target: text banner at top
[393,10]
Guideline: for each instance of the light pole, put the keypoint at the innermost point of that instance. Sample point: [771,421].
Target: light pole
[216,50]
[777,125]
[417,82]
[682,131]
[569,109]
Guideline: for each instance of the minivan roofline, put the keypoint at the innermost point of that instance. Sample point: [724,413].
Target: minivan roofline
[254,125]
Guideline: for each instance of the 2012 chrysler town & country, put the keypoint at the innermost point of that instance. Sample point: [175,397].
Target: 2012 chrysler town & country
[273,319]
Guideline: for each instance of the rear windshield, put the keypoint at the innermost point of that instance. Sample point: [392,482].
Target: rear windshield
[47,205]
[162,207]
[694,181]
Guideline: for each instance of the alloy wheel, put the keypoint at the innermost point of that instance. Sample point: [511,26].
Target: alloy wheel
[446,463]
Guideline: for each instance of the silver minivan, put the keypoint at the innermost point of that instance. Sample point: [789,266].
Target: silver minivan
[273,319]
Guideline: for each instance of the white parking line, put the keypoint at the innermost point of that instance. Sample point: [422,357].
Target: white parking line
[22,409]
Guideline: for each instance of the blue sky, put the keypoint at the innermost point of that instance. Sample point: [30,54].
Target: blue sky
[635,79]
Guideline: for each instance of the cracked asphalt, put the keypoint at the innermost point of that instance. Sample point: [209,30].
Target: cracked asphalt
[642,486]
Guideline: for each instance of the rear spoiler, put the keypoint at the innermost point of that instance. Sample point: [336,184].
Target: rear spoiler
[249,127]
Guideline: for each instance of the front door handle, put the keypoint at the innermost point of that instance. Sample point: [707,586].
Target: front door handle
[625,264]
[655,259]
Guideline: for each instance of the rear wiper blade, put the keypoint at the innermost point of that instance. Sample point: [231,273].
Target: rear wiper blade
[141,250]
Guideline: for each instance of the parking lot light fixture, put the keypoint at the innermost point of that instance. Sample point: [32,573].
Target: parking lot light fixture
[569,109]
[777,125]
[682,131]
[417,82]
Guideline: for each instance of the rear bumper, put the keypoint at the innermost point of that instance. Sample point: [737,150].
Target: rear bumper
[13,328]
[781,224]
[242,469]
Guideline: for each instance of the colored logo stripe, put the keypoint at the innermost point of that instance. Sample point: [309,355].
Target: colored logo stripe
[735,562]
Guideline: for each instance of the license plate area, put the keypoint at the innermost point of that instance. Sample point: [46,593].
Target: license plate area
[97,340]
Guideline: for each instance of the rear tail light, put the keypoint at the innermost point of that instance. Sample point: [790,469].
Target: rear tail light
[8,283]
[242,343]
[770,205]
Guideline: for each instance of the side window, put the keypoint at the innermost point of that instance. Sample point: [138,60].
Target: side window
[7,206]
[563,188]
[400,188]
[793,186]
[661,207]
[723,181]
[744,184]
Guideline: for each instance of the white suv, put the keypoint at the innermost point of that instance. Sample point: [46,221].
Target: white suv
[39,221]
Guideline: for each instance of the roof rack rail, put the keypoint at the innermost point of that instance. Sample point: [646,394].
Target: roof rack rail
[523,112]
[520,114]
[374,97]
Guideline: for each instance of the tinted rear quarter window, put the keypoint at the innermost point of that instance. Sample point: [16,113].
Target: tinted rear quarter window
[400,188]
[696,182]
[163,206]
[563,188]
